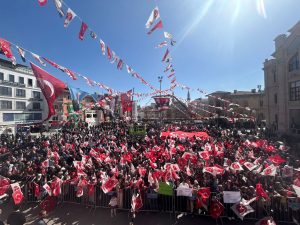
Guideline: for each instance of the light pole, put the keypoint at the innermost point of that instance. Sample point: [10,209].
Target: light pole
[160,78]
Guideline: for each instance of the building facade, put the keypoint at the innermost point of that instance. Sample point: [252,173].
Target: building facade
[21,100]
[251,103]
[282,83]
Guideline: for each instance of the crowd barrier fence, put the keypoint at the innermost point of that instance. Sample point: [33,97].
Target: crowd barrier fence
[277,207]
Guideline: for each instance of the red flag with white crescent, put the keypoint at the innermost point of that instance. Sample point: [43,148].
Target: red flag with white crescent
[241,209]
[136,203]
[216,209]
[50,86]
[5,48]
[159,25]
[17,193]
[42,2]
[82,31]
[109,184]
[266,221]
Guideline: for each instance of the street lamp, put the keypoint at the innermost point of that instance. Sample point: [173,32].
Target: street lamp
[160,78]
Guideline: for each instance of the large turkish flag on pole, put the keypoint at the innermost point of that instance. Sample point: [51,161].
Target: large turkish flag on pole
[50,86]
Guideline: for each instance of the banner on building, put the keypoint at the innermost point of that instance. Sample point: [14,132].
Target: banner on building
[126,101]
[162,102]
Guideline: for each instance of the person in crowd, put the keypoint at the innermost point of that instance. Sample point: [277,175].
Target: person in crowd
[84,156]
[113,204]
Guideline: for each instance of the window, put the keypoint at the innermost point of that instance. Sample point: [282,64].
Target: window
[294,63]
[20,93]
[295,91]
[55,106]
[55,118]
[21,116]
[5,91]
[5,104]
[36,94]
[21,80]
[88,115]
[95,115]
[275,98]
[11,78]
[29,82]
[274,76]
[36,105]
[20,105]
[261,102]
[1,76]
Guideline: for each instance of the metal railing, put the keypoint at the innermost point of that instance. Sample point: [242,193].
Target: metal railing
[277,207]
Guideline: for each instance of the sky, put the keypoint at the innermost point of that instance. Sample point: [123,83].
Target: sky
[221,44]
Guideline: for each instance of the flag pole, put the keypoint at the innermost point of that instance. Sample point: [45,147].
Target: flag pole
[132,104]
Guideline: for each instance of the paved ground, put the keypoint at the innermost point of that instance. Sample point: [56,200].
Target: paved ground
[74,214]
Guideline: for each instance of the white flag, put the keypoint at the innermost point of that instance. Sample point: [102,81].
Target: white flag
[69,17]
[168,35]
[153,16]
[38,58]
[297,190]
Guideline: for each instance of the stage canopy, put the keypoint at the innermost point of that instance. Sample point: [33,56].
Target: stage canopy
[181,134]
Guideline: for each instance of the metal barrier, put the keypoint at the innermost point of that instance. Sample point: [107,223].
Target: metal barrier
[277,207]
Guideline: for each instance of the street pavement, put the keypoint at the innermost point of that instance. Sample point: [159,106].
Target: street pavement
[73,214]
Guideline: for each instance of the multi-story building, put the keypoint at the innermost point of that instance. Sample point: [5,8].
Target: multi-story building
[250,103]
[21,100]
[282,83]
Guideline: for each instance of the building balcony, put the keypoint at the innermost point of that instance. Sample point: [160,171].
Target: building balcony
[35,99]
[13,84]
[35,110]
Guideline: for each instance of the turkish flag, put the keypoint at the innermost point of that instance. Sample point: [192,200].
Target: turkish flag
[159,25]
[216,209]
[269,171]
[56,187]
[37,190]
[5,48]
[48,189]
[17,196]
[266,221]
[236,166]
[214,170]
[203,195]
[204,155]
[90,189]
[42,2]
[48,204]
[250,166]
[260,192]
[136,203]
[109,184]
[241,209]
[276,159]
[50,86]
[83,29]
[4,185]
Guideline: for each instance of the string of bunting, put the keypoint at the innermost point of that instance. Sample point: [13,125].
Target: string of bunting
[184,87]
[5,46]
[168,42]
[70,15]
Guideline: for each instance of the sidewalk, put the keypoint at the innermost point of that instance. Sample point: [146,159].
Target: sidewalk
[74,214]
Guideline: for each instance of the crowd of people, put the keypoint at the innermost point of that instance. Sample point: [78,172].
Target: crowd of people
[108,157]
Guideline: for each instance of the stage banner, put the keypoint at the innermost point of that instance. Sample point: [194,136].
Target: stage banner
[231,196]
[162,102]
